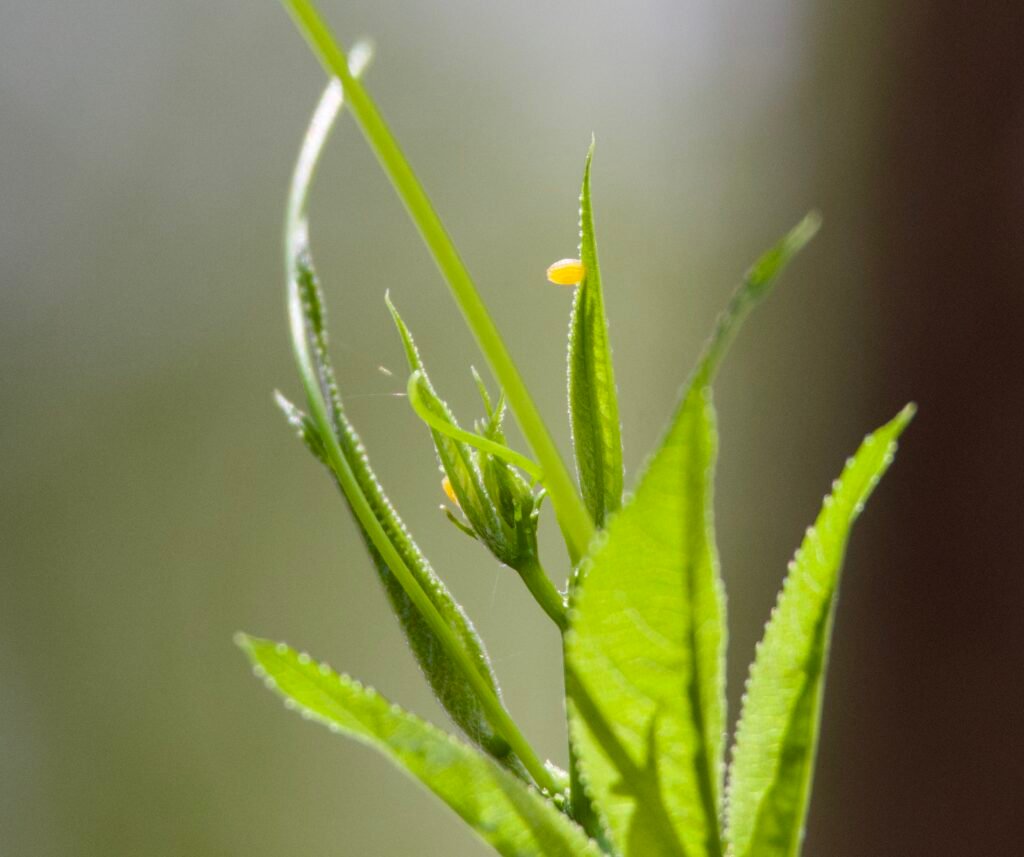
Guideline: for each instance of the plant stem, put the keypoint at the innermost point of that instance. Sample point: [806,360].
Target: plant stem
[573,518]
[545,593]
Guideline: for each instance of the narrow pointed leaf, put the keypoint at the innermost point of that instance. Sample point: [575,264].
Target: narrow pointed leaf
[777,736]
[447,678]
[593,400]
[647,638]
[506,814]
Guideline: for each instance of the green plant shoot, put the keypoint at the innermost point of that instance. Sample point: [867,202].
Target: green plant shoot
[642,624]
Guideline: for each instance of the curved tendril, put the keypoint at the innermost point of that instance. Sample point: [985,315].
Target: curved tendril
[517,459]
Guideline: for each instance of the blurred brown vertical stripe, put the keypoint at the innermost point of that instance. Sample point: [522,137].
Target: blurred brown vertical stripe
[946,704]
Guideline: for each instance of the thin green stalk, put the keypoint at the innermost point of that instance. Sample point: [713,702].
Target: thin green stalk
[545,593]
[573,518]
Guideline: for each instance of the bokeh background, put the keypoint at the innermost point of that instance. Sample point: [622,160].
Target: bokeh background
[152,501]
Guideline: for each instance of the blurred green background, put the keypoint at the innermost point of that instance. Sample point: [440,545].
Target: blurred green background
[153,501]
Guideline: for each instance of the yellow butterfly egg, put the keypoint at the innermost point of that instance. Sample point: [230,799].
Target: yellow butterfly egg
[446,485]
[566,272]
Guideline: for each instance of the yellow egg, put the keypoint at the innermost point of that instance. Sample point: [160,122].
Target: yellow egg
[446,484]
[566,272]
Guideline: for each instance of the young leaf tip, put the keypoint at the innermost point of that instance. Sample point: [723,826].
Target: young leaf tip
[590,154]
[802,233]
[251,646]
[898,423]
[809,225]
[360,55]
[908,413]
[286,407]
[772,263]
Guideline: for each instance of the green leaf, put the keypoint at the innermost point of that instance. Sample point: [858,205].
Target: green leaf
[646,644]
[457,691]
[773,759]
[647,629]
[593,401]
[510,817]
